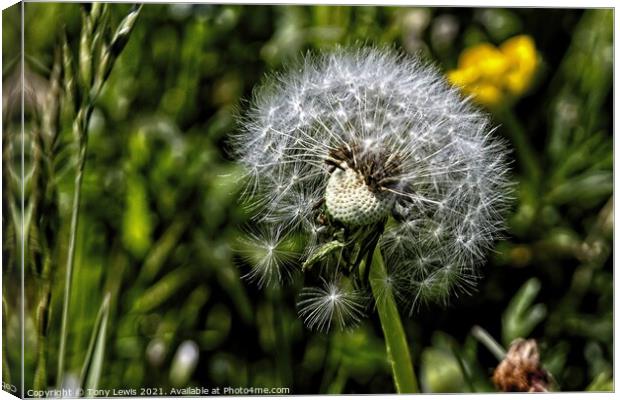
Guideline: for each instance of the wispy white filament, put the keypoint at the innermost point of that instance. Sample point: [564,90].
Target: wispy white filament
[265,250]
[320,307]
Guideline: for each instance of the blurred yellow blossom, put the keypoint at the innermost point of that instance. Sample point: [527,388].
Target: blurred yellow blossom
[492,74]
[521,53]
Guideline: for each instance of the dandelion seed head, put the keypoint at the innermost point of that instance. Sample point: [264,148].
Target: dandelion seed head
[353,138]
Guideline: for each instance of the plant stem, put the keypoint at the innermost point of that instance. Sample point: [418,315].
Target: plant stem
[80,130]
[525,152]
[283,359]
[395,339]
[42,316]
[487,340]
[89,90]
[327,363]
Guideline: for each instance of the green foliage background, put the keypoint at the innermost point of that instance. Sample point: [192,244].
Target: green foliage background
[160,217]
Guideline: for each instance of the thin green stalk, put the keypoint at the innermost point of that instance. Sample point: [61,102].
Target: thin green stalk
[80,127]
[283,358]
[395,339]
[337,384]
[487,340]
[90,87]
[40,376]
[327,363]
[525,152]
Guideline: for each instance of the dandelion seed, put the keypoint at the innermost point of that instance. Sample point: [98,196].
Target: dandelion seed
[266,251]
[327,305]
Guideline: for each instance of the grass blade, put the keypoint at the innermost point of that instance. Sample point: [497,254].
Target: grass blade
[93,362]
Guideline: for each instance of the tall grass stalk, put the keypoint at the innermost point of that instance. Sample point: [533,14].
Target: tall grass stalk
[45,195]
[91,42]
[75,209]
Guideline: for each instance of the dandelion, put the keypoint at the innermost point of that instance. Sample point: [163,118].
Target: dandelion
[364,149]
[495,75]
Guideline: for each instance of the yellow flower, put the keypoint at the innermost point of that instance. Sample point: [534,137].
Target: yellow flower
[486,93]
[463,77]
[489,62]
[521,53]
[492,75]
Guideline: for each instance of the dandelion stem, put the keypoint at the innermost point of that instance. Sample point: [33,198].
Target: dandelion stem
[395,339]
[487,340]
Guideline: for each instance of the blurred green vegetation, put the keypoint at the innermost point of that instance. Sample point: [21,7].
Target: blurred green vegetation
[160,217]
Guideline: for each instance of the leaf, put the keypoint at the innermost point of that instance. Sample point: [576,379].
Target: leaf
[321,253]
[521,317]
[137,233]
[583,189]
[603,382]
[91,370]
[162,290]
[441,372]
